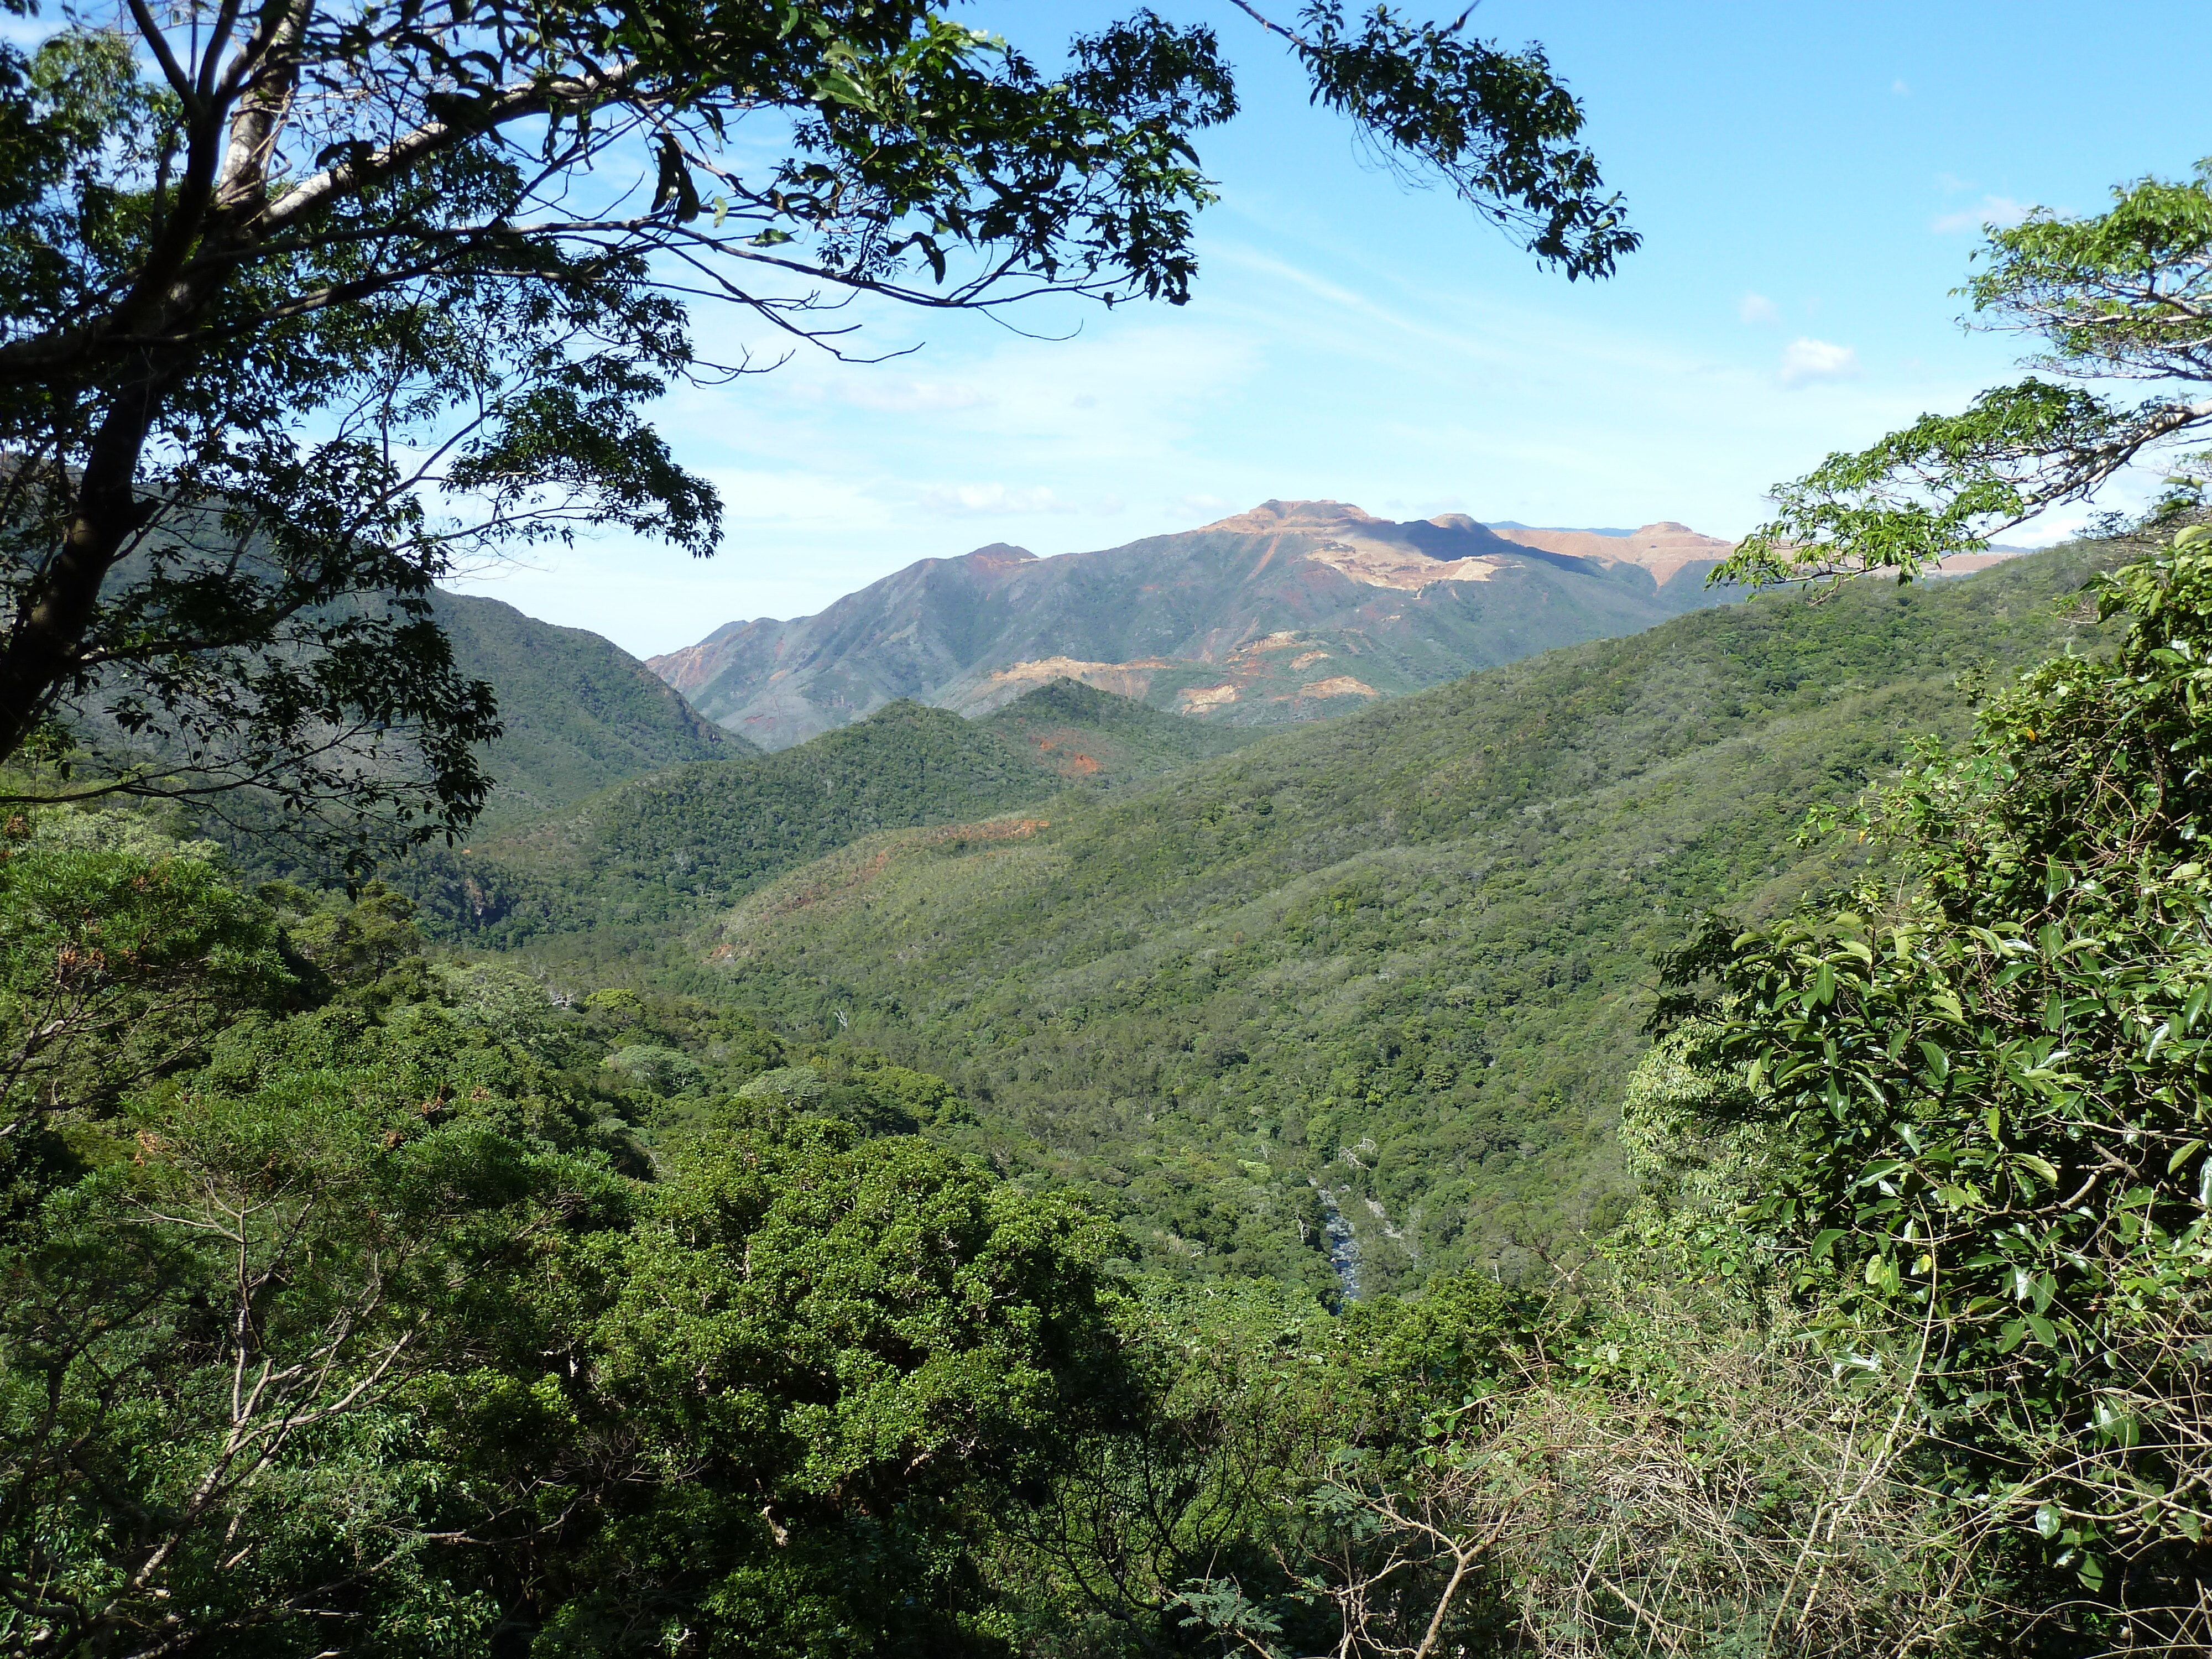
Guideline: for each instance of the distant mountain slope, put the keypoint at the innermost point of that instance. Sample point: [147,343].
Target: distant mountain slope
[1670,552]
[653,851]
[1397,966]
[1292,610]
[581,713]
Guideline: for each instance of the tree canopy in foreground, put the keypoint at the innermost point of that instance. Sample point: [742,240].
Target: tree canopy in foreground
[302,303]
[2125,295]
[1979,1086]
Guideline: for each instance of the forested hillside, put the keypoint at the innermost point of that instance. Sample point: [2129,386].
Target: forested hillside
[1401,963]
[488,1234]
[1693,1144]
[578,713]
[634,867]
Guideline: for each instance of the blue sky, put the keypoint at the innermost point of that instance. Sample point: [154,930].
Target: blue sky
[1809,180]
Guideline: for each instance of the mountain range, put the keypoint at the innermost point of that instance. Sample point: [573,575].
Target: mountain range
[1290,611]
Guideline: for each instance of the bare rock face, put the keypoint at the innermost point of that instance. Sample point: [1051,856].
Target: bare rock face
[1665,548]
[1003,686]
[1233,620]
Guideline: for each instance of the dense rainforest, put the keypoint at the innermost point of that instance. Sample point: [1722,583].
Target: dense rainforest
[1370,989]
[1025,1285]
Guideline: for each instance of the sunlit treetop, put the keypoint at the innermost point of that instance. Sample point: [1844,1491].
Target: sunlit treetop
[2126,295]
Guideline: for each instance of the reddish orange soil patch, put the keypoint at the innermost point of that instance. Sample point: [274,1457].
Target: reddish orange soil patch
[1077,765]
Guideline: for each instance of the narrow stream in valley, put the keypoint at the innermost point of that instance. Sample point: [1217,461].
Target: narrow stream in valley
[1343,1247]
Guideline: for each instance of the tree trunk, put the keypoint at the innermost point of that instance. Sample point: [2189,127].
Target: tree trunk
[46,635]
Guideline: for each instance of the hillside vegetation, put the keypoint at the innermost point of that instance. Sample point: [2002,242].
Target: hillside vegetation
[603,1310]
[580,712]
[642,861]
[1397,967]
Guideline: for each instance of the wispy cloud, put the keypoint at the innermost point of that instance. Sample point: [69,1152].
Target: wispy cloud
[780,501]
[969,500]
[1898,89]
[1758,308]
[911,397]
[1990,210]
[1808,360]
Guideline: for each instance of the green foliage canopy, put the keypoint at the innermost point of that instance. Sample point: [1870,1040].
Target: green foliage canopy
[400,1324]
[1989,1081]
[2122,295]
[834,1357]
[121,956]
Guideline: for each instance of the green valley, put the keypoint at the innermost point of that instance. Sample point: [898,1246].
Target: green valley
[603,875]
[1390,972]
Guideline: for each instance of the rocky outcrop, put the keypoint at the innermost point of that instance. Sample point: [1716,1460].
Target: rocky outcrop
[1665,548]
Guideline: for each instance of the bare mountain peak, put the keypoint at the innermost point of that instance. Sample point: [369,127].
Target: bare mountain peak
[999,555]
[1273,515]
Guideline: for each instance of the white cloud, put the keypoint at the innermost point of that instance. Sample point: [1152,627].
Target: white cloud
[1808,360]
[756,499]
[1899,89]
[1990,210]
[2050,531]
[967,500]
[911,397]
[1758,308]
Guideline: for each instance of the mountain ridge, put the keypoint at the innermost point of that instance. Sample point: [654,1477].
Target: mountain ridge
[1284,612]
[580,714]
